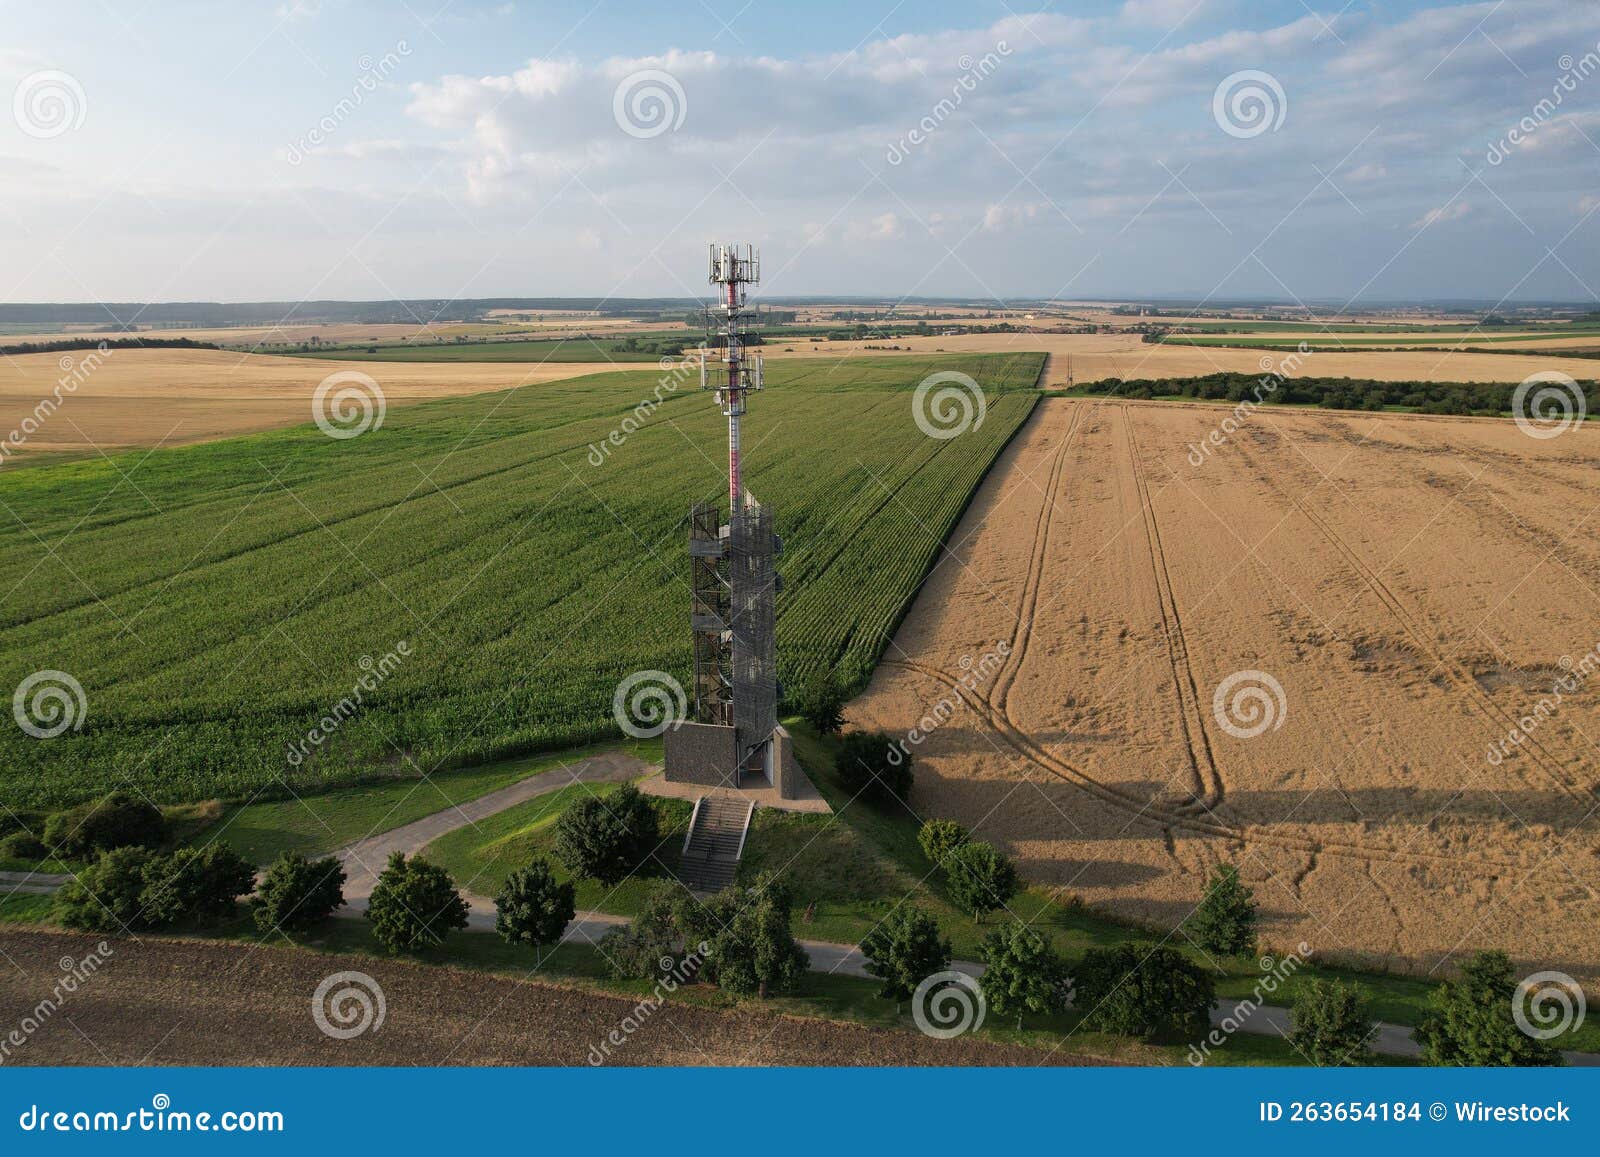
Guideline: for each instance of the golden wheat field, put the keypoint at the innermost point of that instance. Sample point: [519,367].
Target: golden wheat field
[1380,600]
[1092,357]
[148,397]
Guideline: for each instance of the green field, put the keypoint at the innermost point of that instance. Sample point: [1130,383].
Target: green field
[216,601]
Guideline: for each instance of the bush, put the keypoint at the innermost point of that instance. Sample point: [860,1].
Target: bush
[532,907]
[106,895]
[821,701]
[636,950]
[941,837]
[1024,974]
[296,893]
[23,846]
[1225,921]
[415,904]
[195,884]
[904,950]
[120,820]
[608,838]
[1135,990]
[1470,1021]
[871,764]
[1331,1024]
[981,879]
[751,950]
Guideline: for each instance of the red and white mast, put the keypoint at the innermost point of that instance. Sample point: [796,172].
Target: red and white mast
[734,271]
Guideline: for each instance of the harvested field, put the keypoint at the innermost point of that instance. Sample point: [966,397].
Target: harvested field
[159,1002]
[1415,585]
[1091,357]
[149,397]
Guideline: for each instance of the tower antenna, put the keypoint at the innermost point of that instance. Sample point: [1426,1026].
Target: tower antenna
[733,270]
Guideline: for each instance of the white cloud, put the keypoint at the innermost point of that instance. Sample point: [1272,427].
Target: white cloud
[1457,210]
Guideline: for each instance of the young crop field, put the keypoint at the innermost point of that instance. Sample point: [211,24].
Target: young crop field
[475,576]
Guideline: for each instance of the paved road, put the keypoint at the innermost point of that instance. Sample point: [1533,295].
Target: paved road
[364,859]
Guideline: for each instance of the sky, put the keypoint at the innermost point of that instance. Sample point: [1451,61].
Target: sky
[1316,151]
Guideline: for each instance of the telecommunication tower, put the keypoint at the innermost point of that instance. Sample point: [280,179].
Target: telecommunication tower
[734,271]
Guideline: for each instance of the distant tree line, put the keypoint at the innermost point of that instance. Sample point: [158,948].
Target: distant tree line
[121,343]
[1463,398]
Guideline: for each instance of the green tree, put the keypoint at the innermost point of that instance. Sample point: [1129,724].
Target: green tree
[1331,1023]
[195,884]
[106,895]
[1471,1021]
[296,893]
[606,838]
[980,878]
[752,950]
[821,701]
[1225,921]
[903,950]
[120,820]
[873,765]
[1024,974]
[415,904]
[939,838]
[1136,990]
[637,949]
[532,906]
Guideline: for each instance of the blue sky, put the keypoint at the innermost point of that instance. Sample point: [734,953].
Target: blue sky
[177,151]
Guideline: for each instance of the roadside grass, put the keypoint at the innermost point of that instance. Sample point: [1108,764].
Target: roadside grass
[25,908]
[317,824]
[480,857]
